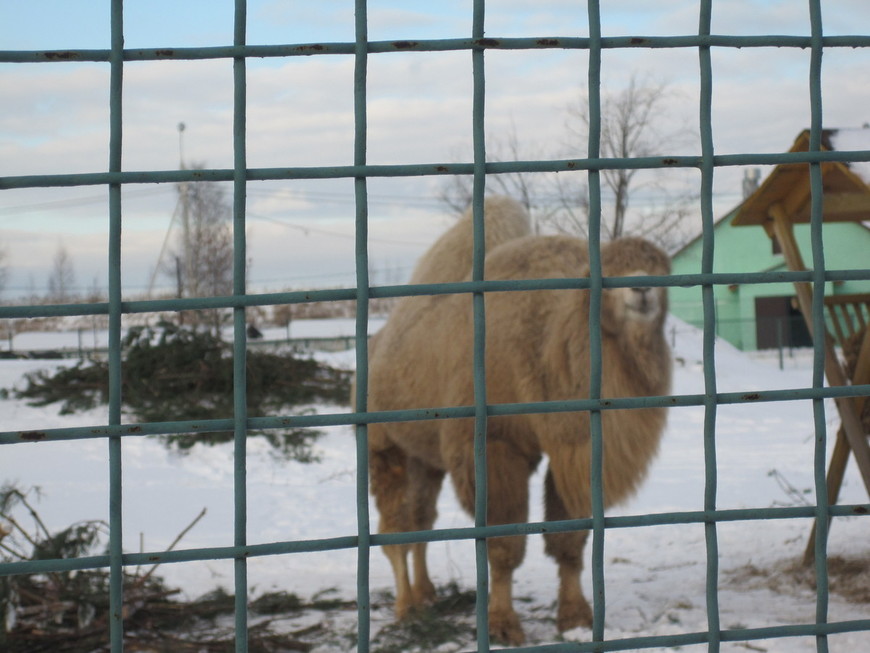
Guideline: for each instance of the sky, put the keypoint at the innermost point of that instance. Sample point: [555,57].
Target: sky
[54,118]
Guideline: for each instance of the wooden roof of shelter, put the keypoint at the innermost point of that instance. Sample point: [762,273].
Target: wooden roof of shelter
[846,189]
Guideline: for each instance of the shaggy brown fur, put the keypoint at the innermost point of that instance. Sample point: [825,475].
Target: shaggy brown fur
[537,350]
[404,487]
[449,258]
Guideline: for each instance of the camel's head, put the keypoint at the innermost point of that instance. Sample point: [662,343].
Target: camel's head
[640,303]
[638,306]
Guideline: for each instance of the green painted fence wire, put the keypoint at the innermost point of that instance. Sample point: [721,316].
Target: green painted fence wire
[690,41]
[362,315]
[595,288]
[116,575]
[115,177]
[709,331]
[478,137]
[426,169]
[240,396]
[818,266]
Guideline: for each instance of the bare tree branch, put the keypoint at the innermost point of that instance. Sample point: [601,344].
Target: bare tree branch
[632,126]
[202,262]
[61,281]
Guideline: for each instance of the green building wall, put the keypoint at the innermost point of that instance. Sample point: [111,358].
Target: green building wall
[748,249]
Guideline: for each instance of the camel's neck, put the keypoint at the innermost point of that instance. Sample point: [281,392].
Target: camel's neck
[649,363]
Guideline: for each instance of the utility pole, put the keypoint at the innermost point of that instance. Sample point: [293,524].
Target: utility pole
[182,207]
[184,189]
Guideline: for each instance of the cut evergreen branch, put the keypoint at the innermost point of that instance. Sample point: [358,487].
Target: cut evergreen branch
[180,373]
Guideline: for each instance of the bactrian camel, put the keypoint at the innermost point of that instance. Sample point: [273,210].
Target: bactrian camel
[537,349]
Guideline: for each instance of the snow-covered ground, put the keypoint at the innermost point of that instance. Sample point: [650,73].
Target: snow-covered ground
[655,576]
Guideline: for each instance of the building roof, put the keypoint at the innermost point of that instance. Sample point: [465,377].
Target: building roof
[847,193]
[853,139]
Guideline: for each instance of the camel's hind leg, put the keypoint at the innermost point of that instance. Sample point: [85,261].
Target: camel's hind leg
[567,550]
[388,472]
[423,488]
[405,492]
[508,503]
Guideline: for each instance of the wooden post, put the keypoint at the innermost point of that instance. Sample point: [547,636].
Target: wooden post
[855,438]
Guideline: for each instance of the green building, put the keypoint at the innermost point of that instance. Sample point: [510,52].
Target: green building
[757,316]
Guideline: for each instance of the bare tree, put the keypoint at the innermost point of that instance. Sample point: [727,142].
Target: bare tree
[530,189]
[203,256]
[62,279]
[549,198]
[4,270]
[631,127]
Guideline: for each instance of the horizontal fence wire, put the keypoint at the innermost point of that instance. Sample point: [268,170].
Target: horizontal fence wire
[438,535]
[691,41]
[114,431]
[428,169]
[419,414]
[386,292]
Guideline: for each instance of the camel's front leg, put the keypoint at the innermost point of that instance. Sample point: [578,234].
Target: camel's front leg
[567,550]
[508,503]
[505,555]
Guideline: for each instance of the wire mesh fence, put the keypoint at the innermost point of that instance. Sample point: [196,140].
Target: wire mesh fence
[476,46]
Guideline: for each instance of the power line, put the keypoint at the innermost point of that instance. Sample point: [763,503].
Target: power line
[337,198]
[427,201]
[307,230]
[78,201]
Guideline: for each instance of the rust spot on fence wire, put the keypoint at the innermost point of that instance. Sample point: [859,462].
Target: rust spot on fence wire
[33,436]
[638,40]
[670,162]
[752,396]
[61,56]
[164,53]
[548,42]
[488,43]
[404,45]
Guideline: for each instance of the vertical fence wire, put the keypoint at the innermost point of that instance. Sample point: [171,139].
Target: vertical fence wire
[818,320]
[709,331]
[479,324]
[240,400]
[116,532]
[595,291]
[362,314]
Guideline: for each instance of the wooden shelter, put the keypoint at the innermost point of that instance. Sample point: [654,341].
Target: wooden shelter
[782,201]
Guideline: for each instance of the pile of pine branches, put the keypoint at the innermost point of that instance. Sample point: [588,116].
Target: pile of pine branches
[177,373]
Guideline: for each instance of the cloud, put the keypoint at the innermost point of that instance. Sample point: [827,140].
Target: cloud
[301,113]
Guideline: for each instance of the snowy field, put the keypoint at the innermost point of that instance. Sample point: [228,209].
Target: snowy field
[655,576]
